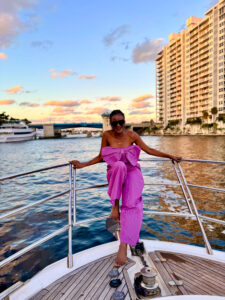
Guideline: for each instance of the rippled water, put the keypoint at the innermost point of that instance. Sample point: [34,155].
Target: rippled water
[25,228]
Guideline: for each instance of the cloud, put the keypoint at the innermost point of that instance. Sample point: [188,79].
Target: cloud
[141,101]
[42,44]
[7,101]
[211,4]
[143,98]
[3,56]
[15,89]
[88,77]
[140,104]
[141,112]
[65,103]
[116,34]
[85,101]
[183,26]
[11,23]
[96,110]
[111,99]
[62,111]
[61,74]
[114,58]
[147,51]
[29,104]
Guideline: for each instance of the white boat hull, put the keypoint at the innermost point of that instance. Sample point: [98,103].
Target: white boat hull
[9,138]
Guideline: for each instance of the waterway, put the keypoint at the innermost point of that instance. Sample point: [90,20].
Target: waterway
[27,227]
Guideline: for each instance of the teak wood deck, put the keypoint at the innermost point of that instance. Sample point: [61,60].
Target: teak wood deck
[91,281]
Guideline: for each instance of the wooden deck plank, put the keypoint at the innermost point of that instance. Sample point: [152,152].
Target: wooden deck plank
[112,290]
[131,292]
[89,293]
[104,285]
[55,289]
[203,263]
[209,278]
[201,279]
[108,288]
[197,281]
[68,283]
[173,275]
[164,274]
[196,285]
[79,282]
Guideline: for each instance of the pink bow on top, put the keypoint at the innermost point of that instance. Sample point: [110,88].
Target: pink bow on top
[113,154]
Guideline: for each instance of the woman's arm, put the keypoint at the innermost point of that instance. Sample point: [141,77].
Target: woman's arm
[138,141]
[78,165]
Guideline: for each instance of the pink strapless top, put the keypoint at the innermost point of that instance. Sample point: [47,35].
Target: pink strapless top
[128,154]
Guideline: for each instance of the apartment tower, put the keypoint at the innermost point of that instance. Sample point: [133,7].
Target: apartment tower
[190,70]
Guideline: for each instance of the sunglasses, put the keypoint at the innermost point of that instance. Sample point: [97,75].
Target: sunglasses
[114,123]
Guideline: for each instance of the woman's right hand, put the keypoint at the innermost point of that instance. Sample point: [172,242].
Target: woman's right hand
[77,165]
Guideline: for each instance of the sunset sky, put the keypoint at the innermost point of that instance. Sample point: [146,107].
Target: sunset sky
[70,60]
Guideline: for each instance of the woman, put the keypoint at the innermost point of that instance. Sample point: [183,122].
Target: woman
[124,177]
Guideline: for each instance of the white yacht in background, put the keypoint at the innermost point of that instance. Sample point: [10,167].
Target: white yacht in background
[15,131]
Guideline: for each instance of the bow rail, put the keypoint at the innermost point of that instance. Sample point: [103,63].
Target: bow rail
[72,200]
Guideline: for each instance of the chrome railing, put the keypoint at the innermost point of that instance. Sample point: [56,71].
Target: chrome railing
[72,220]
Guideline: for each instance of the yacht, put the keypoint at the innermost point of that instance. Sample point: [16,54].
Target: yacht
[155,269]
[15,131]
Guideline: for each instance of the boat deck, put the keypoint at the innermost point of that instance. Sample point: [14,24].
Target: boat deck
[91,281]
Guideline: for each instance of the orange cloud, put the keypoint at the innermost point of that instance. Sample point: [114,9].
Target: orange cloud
[3,56]
[88,77]
[139,104]
[29,104]
[111,99]
[66,103]
[143,98]
[6,101]
[85,101]
[61,74]
[61,111]
[96,110]
[15,89]
[141,112]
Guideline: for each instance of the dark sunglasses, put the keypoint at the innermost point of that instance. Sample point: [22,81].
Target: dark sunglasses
[114,123]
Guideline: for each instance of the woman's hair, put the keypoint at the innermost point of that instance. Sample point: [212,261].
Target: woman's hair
[116,112]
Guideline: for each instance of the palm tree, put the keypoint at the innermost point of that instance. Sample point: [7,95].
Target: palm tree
[205,114]
[214,111]
[3,117]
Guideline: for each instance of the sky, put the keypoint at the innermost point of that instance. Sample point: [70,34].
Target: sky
[72,60]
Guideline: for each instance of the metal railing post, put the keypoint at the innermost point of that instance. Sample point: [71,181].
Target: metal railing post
[182,188]
[74,197]
[207,244]
[70,253]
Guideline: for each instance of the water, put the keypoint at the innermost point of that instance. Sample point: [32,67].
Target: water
[23,229]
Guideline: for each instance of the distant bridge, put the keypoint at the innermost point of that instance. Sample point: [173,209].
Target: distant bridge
[67,125]
[52,130]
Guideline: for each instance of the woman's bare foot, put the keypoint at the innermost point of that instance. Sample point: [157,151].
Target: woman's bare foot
[115,212]
[121,258]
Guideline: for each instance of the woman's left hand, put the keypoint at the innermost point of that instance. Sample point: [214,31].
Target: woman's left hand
[176,158]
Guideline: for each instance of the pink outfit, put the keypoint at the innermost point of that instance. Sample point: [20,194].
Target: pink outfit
[125,178]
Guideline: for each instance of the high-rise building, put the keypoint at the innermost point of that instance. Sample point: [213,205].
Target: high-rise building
[190,70]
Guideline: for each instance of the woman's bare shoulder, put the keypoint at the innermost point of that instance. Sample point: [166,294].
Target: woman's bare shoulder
[107,133]
[132,135]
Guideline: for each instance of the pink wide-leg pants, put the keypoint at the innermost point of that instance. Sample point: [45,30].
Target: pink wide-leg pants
[127,180]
